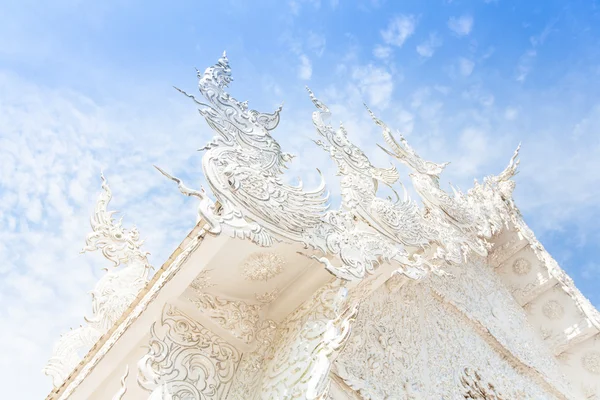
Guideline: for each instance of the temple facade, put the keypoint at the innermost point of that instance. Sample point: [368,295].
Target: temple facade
[275,295]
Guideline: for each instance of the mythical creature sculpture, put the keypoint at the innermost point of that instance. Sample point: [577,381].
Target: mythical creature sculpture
[458,224]
[113,293]
[400,221]
[244,165]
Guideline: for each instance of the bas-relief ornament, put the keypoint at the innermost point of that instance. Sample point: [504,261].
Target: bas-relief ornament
[123,389]
[267,297]
[202,281]
[478,292]
[262,266]
[412,336]
[249,375]
[307,342]
[236,316]
[113,293]
[502,252]
[552,309]
[186,361]
[521,266]
[591,362]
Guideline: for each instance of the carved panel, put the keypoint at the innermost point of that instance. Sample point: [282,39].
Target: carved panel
[521,266]
[236,316]
[262,266]
[414,336]
[186,360]
[478,292]
[591,362]
[306,344]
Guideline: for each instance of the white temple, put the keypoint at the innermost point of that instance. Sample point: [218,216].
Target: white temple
[273,295]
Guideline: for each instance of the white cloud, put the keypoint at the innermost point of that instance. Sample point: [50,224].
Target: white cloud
[428,47]
[526,61]
[296,5]
[462,26]
[316,43]
[399,29]
[375,83]
[511,113]
[305,68]
[465,66]
[525,65]
[382,52]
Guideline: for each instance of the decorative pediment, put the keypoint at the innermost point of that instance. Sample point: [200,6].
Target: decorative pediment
[264,209]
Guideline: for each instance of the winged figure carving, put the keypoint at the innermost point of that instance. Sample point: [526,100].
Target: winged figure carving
[244,165]
[398,220]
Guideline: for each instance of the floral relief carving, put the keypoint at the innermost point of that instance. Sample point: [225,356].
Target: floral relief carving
[553,310]
[262,266]
[186,361]
[267,297]
[521,266]
[591,362]
[502,252]
[202,281]
[249,375]
[236,316]
[412,336]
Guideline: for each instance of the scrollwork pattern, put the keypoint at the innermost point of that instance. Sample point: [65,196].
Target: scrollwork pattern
[412,336]
[236,316]
[186,360]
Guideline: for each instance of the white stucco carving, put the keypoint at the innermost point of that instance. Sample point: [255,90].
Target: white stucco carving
[123,389]
[591,362]
[113,293]
[238,317]
[454,298]
[521,266]
[186,360]
[262,266]
[414,336]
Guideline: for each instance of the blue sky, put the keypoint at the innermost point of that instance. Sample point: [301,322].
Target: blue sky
[88,85]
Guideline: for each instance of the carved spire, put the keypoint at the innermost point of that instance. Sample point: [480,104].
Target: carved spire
[108,235]
[113,293]
[404,153]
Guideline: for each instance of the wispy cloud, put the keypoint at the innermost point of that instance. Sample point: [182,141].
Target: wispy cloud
[316,43]
[465,66]
[305,68]
[375,83]
[525,65]
[527,60]
[382,52]
[461,26]
[399,29]
[428,47]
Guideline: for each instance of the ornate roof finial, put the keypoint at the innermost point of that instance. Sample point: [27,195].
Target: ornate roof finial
[404,153]
[219,74]
[511,170]
[113,293]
